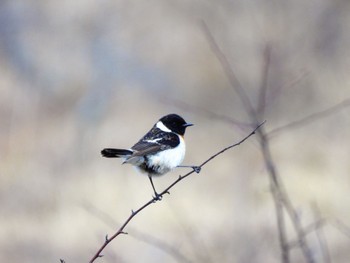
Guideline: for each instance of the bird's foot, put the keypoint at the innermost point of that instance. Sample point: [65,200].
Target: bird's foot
[197,169]
[157,197]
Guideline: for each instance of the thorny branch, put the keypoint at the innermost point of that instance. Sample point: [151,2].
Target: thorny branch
[165,191]
[139,235]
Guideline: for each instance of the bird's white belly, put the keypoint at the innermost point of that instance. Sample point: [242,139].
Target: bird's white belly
[168,159]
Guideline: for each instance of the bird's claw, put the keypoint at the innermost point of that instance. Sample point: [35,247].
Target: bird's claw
[197,169]
[157,197]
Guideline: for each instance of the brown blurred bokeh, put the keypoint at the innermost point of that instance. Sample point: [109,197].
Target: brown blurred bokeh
[78,76]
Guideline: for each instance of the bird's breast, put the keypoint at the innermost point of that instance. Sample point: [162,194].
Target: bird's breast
[167,160]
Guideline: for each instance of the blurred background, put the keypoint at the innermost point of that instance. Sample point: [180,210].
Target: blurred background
[78,76]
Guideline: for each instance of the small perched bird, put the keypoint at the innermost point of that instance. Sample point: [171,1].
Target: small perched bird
[159,151]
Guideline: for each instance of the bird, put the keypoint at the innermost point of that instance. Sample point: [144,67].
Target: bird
[159,151]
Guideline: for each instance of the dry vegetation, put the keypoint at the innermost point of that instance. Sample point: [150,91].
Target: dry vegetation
[80,76]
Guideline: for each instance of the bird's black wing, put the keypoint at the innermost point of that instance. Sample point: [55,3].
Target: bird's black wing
[154,141]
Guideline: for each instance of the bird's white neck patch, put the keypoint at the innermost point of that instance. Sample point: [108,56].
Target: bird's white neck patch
[162,127]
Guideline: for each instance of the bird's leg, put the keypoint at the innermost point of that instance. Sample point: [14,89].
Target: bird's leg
[157,196]
[197,169]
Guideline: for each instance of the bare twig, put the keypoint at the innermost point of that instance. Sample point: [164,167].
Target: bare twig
[204,112]
[311,118]
[342,227]
[275,187]
[320,236]
[139,235]
[264,81]
[317,227]
[235,83]
[253,115]
[279,193]
[273,96]
[165,191]
[319,223]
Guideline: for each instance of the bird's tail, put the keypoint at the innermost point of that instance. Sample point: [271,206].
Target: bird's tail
[115,153]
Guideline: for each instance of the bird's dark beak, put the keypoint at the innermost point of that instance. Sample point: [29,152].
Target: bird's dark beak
[187,125]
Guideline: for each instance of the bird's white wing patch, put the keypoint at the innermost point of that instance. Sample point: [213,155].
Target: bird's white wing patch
[154,140]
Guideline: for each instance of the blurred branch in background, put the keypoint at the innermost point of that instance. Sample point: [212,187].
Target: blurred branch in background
[76,75]
[311,118]
[139,235]
[320,235]
[319,223]
[264,80]
[166,191]
[280,196]
[342,227]
[205,112]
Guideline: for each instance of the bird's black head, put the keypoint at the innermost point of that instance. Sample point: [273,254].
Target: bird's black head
[175,123]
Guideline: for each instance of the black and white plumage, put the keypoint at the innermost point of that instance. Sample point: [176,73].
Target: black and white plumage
[159,151]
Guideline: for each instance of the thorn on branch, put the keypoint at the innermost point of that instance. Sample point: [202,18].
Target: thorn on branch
[106,239]
[124,233]
[132,212]
[62,260]
[100,256]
